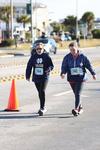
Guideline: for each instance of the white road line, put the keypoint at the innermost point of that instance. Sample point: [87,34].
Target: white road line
[84,96]
[63,93]
[67,92]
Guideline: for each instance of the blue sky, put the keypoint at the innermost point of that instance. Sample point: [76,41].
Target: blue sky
[59,9]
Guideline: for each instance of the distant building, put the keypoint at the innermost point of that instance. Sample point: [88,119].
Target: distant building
[97,23]
[40,15]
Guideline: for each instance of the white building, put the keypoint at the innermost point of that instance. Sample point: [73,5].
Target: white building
[40,14]
[97,23]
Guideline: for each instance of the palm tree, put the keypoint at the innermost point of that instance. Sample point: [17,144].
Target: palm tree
[24,19]
[88,18]
[5,15]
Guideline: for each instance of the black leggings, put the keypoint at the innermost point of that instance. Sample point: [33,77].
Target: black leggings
[41,86]
[76,87]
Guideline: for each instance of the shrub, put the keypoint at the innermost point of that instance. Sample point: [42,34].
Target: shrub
[7,42]
[28,36]
[96,33]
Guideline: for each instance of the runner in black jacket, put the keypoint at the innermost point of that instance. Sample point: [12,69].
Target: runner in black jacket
[41,64]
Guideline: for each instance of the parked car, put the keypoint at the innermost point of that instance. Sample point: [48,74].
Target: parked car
[50,45]
[66,38]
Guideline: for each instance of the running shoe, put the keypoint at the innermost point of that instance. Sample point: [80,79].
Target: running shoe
[41,112]
[80,110]
[75,112]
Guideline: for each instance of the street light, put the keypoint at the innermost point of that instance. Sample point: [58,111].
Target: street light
[33,23]
[77,28]
[11,4]
[32,32]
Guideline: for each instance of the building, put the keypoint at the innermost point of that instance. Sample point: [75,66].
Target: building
[97,24]
[40,15]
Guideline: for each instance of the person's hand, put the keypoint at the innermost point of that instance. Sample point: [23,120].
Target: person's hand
[47,72]
[62,76]
[94,77]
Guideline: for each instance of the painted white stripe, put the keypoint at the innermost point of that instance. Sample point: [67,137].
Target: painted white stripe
[63,93]
[67,92]
[84,96]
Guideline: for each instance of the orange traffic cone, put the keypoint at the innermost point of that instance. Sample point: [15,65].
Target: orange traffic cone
[13,103]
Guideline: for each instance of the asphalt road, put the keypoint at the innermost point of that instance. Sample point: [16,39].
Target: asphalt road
[58,129]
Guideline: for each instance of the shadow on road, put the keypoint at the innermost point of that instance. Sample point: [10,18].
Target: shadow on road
[65,115]
[11,115]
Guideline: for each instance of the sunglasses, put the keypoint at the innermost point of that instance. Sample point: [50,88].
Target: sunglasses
[39,49]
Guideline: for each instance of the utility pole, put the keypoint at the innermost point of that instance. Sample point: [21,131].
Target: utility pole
[77,27]
[76,19]
[32,31]
[11,5]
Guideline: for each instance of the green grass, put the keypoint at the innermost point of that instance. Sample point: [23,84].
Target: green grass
[62,45]
[83,43]
[22,46]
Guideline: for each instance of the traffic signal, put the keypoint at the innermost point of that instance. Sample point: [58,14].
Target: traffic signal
[28,6]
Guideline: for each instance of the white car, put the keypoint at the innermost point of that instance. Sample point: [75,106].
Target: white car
[50,45]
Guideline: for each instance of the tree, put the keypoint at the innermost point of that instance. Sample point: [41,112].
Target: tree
[88,18]
[56,26]
[70,23]
[70,20]
[5,15]
[24,19]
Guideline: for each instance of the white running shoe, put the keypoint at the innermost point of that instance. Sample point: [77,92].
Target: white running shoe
[80,111]
[75,112]
[41,112]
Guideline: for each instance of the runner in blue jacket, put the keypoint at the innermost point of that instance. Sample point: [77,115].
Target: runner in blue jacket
[41,64]
[75,65]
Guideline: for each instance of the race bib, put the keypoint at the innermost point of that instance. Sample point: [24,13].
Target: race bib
[38,71]
[76,71]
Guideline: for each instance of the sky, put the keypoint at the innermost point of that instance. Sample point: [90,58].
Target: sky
[59,9]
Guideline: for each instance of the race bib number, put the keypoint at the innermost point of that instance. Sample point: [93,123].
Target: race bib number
[38,71]
[76,71]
